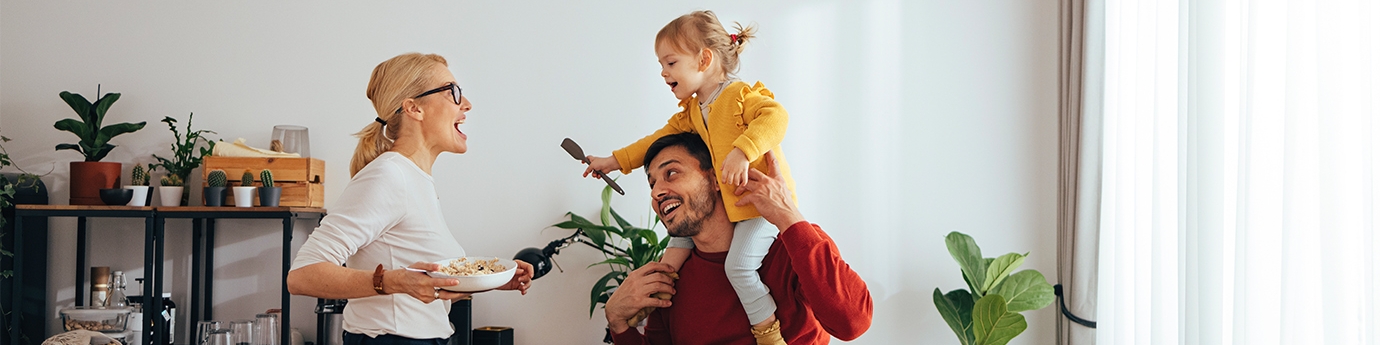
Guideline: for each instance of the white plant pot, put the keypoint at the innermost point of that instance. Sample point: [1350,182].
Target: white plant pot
[140,196]
[244,196]
[170,196]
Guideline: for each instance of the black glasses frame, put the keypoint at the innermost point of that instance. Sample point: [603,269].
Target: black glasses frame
[455,94]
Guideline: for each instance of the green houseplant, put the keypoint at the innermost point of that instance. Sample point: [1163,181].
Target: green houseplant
[215,188]
[139,182]
[269,194]
[91,175]
[185,154]
[625,247]
[244,193]
[988,312]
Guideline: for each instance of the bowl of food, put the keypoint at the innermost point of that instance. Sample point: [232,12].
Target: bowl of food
[476,274]
[99,319]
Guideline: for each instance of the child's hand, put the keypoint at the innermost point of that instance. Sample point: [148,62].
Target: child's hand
[598,165]
[735,168]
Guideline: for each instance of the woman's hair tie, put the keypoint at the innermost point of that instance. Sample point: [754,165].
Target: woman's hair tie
[380,121]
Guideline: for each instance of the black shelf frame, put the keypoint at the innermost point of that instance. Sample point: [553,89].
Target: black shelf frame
[203,238]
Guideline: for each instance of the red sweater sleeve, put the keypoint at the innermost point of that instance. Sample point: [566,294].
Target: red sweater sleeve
[836,293]
[657,332]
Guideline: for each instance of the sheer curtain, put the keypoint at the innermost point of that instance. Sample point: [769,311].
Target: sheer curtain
[1239,172]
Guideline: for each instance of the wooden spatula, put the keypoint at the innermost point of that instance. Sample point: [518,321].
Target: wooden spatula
[574,150]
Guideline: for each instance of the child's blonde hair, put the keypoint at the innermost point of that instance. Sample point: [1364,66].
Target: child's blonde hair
[701,29]
[393,81]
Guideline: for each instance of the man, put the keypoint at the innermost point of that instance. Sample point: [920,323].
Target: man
[816,293]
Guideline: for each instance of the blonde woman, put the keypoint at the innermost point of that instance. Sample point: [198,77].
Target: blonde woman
[390,215]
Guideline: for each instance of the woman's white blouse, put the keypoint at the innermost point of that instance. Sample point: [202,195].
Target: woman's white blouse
[389,214]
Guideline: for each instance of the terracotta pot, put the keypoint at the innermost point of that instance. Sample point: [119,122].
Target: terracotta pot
[88,178]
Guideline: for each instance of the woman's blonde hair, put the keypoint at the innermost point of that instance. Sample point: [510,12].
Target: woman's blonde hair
[701,29]
[393,81]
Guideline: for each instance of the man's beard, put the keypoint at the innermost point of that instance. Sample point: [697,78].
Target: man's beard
[697,209]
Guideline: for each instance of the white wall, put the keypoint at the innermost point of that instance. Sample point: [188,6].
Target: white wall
[909,120]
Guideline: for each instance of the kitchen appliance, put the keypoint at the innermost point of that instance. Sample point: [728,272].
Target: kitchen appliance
[330,318]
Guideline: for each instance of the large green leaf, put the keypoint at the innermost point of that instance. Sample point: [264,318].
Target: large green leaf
[79,104]
[76,127]
[101,106]
[1000,268]
[959,316]
[993,324]
[111,131]
[969,257]
[599,288]
[605,210]
[622,223]
[1027,289]
[617,261]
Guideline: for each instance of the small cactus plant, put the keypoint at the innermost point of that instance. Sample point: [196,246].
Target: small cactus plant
[216,178]
[171,180]
[247,180]
[267,177]
[139,177]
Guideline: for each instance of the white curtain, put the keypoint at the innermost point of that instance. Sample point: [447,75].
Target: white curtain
[1241,143]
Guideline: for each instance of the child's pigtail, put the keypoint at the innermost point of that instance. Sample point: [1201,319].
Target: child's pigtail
[739,40]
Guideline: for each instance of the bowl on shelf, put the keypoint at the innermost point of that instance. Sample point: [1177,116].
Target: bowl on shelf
[99,319]
[116,196]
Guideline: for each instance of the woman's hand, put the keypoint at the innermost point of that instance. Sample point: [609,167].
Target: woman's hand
[768,193]
[735,170]
[636,293]
[522,279]
[600,165]
[420,285]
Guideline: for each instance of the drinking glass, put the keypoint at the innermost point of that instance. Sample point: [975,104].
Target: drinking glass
[242,332]
[293,138]
[266,331]
[205,328]
[218,337]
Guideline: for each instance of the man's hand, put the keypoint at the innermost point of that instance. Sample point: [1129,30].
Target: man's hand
[735,171]
[636,293]
[522,279]
[600,165]
[769,194]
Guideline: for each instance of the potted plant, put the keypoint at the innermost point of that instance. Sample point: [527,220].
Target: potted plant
[15,188]
[139,182]
[215,188]
[625,247]
[244,193]
[185,156]
[988,312]
[91,175]
[170,190]
[268,194]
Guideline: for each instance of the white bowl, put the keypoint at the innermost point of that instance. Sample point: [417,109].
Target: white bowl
[478,283]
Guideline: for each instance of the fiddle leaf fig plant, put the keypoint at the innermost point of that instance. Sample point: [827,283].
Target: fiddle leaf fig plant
[988,312]
[94,140]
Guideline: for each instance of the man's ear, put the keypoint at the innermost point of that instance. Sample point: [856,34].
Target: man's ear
[706,58]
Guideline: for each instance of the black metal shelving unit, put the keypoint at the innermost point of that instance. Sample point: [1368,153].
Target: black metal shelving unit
[203,245]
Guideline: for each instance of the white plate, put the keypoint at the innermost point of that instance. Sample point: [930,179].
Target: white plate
[478,283]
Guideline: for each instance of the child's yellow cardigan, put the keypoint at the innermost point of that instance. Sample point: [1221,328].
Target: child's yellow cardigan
[743,117]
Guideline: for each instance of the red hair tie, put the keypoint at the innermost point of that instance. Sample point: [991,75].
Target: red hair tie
[733,37]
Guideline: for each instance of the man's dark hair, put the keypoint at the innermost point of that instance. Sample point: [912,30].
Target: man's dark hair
[690,141]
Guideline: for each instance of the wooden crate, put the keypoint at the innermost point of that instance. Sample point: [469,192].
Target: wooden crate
[303,179]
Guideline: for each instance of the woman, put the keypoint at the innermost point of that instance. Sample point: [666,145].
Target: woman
[389,215]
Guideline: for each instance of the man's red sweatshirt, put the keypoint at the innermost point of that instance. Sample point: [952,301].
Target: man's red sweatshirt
[816,293]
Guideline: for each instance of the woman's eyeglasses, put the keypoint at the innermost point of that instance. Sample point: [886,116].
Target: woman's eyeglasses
[454,93]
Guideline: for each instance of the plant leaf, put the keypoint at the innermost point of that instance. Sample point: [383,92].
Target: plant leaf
[101,106]
[952,315]
[79,104]
[116,129]
[969,257]
[1001,268]
[622,223]
[617,260]
[993,324]
[1027,289]
[604,210]
[599,288]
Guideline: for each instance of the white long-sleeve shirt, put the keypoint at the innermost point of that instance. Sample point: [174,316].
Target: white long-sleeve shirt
[388,214]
